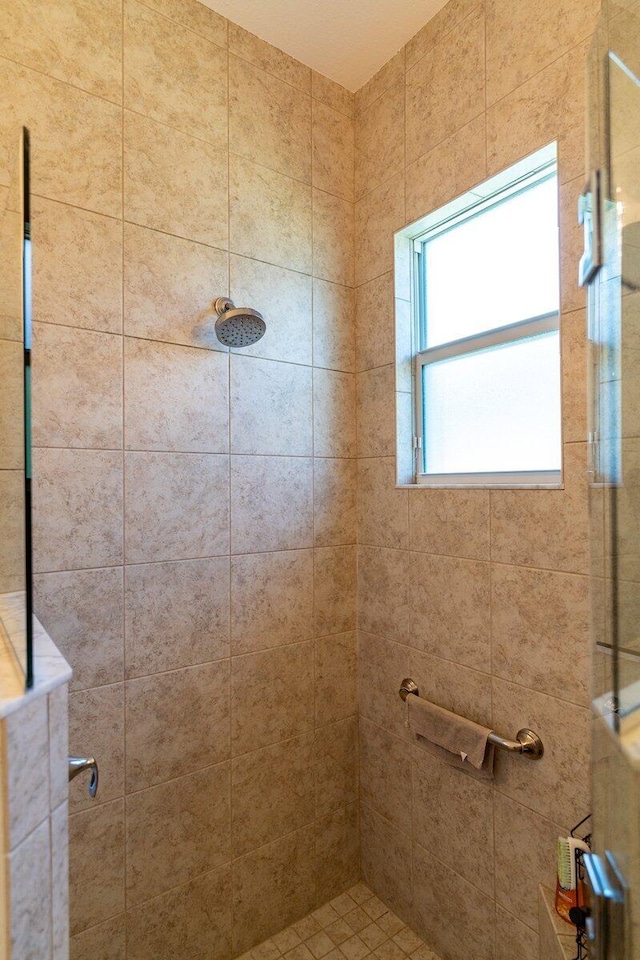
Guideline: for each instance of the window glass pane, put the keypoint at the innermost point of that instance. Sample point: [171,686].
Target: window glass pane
[496,268]
[494,410]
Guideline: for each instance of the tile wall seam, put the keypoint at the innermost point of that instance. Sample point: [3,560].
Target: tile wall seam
[49,76]
[183,26]
[124,485]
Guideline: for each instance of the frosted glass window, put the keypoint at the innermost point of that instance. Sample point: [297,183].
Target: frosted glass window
[494,410]
[498,266]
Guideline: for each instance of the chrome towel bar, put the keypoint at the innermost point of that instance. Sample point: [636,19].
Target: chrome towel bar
[527,742]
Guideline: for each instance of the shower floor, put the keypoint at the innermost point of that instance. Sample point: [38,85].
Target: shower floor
[354,926]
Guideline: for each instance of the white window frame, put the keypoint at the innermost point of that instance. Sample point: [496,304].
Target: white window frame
[512,333]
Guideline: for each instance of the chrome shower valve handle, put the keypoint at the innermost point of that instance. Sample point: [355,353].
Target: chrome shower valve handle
[78,765]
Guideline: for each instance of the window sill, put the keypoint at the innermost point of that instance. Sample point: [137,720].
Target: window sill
[479,486]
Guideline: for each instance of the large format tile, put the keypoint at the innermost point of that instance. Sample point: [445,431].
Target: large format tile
[176,614]
[332,94]
[335,586]
[334,410]
[382,666]
[375,413]
[337,852]
[333,326]
[176,506]
[29,880]
[388,74]
[269,121]
[83,610]
[451,522]
[195,699]
[271,406]
[77,505]
[386,860]
[77,270]
[96,729]
[514,936]
[105,941]
[174,182]
[176,398]
[271,503]
[334,501]
[270,216]
[336,766]
[439,80]
[333,238]
[378,215]
[96,854]
[58,709]
[271,793]
[271,599]
[192,921]
[452,686]
[383,511]
[79,139]
[540,630]
[77,388]
[284,298]
[269,58]
[169,284]
[59,826]
[272,887]
[174,76]
[195,16]
[384,785]
[335,678]
[26,785]
[378,128]
[177,830]
[375,332]
[333,151]
[383,592]
[266,706]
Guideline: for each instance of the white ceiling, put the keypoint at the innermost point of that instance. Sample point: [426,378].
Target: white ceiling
[346,40]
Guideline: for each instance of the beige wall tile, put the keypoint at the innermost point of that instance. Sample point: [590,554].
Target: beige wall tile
[183,701]
[386,851]
[259,681]
[77,267]
[77,509]
[573,332]
[437,28]
[71,42]
[453,916]
[537,112]
[176,398]
[271,793]
[272,886]
[375,412]
[513,935]
[60,882]
[380,139]
[520,521]
[454,166]
[96,865]
[58,708]
[96,729]
[336,695]
[451,609]
[551,31]
[105,941]
[336,765]
[335,577]
[271,503]
[270,216]
[558,786]
[453,818]
[337,853]
[12,378]
[383,511]
[572,297]
[384,760]
[334,409]
[452,686]
[333,151]
[177,830]
[333,326]
[176,506]
[271,406]
[11,547]
[187,602]
[450,522]
[196,16]
[333,238]
[375,334]
[284,297]
[169,284]
[383,592]
[382,666]
[188,920]
[332,94]
[77,388]
[79,154]
[386,76]
[540,630]
[271,599]
[439,79]
[334,501]
[174,182]
[249,47]
[83,610]
[29,880]
[174,76]
[269,121]
[26,734]
[378,215]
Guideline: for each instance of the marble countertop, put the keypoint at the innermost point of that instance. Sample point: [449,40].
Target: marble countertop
[50,670]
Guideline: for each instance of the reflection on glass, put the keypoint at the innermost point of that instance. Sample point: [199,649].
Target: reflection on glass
[498,409]
[494,269]
[15,514]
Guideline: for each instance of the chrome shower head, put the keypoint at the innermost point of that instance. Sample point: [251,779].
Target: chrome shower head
[237,326]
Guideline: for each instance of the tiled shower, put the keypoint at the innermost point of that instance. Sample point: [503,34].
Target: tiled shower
[221,551]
